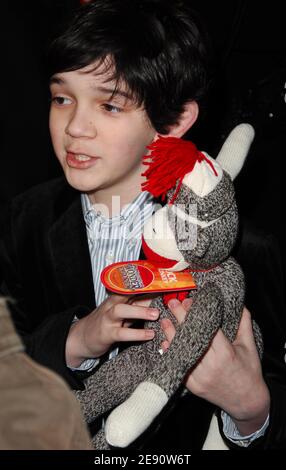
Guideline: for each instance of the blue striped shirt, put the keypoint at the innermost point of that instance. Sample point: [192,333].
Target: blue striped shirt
[114,239]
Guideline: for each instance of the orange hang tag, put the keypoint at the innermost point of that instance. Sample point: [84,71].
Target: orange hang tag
[138,277]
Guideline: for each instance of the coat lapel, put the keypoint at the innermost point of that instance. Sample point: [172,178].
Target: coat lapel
[71,259]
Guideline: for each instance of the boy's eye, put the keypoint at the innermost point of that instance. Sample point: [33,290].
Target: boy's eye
[61,100]
[111,108]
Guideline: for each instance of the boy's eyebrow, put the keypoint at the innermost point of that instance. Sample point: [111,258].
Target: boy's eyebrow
[56,80]
[114,92]
[108,90]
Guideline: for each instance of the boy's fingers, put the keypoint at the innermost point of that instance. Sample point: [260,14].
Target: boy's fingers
[116,299]
[142,302]
[220,342]
[177,310]
[134,312]
[187,303]
[165,346]
[245,332]
[245,326]
[168,329]
[130,334]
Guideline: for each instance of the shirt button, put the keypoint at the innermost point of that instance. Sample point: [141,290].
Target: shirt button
[109,257]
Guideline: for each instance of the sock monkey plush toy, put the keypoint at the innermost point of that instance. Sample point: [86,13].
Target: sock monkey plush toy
[195,230]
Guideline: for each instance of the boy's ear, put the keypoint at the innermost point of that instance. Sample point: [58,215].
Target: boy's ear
[186,120]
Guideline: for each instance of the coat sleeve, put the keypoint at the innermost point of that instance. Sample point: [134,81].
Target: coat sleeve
[275,376]
[43,331]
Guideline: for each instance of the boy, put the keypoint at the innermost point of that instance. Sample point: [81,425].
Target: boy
[122,73]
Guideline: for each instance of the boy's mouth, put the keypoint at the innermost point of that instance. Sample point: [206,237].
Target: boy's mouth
[80,161]
[82,158]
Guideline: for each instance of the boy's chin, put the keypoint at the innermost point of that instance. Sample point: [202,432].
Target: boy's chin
[84,185]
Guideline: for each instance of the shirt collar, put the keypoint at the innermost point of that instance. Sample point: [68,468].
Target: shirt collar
[127,214]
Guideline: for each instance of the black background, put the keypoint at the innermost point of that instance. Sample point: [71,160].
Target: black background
[249,40]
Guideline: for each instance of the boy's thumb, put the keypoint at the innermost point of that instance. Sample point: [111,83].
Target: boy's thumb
[245,332]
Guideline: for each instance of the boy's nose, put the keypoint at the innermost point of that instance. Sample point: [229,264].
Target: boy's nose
[80,125]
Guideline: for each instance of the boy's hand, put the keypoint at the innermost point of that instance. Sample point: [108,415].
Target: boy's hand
[94,335]
[229,374]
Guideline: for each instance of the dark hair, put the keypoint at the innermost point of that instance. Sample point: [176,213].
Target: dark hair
[157,49]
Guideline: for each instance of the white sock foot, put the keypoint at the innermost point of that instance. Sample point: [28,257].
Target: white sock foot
[132,417]
[214,441]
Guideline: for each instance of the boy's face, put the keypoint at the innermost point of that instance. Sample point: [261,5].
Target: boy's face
[98,139]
